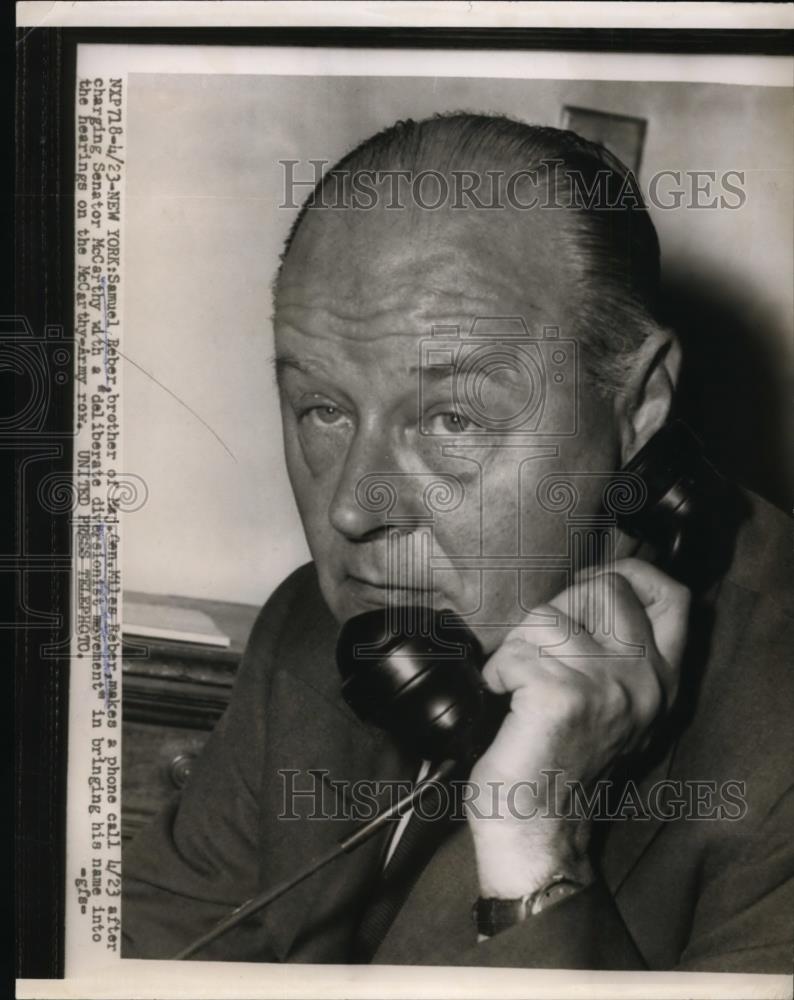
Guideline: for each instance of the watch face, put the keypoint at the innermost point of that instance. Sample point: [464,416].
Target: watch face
[553,894]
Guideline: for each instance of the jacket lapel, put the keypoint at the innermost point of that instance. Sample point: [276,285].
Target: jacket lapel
[314,744]
[434,924]
[713,636]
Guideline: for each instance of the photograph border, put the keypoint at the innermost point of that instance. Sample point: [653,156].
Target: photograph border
[43,307]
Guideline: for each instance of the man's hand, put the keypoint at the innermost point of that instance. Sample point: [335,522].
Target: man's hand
[586,687]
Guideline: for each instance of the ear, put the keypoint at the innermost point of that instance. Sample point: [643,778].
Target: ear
[646,403]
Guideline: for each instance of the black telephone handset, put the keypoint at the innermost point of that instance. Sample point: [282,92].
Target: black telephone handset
[423,683]
[415,672]
[685,497]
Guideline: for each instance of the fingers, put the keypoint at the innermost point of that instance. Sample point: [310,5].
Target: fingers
[666,603]
[607,607]
[589,681]
[641,605]
[625,627]
[520,662]
[558,696]
[652,586]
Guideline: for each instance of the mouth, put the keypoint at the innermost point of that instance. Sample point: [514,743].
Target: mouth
[379,593]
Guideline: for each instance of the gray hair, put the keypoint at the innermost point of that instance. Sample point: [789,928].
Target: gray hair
[608,237]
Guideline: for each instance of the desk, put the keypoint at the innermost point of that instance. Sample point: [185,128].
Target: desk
[173,694]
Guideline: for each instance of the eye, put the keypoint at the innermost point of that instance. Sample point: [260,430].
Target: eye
[325,414]
[449,422]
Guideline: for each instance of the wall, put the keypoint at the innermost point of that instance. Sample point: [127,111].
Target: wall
[202,236]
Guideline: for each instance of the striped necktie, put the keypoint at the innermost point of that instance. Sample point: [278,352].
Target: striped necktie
[425,830]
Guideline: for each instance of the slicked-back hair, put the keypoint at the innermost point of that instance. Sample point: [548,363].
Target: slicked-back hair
[605,237]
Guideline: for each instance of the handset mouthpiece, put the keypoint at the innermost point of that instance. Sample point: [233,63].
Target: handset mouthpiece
[415,672]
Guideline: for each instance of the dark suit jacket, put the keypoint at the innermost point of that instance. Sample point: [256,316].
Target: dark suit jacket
[715,895]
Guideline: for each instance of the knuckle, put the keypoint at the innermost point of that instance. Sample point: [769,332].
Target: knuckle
[617,698]
[675,596]
[621,583]
[681,595]
[510,665]
[490,672]
[571,704]
[618,584]
[515,645]
[651,697]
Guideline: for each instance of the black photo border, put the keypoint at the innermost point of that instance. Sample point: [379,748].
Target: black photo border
[43,296]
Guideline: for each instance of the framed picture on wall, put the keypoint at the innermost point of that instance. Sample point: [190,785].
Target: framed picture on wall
[398,463]
[620,134]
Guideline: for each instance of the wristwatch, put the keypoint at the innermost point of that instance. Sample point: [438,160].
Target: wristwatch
[492,915]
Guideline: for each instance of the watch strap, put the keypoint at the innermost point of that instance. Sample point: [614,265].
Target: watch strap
[492,915]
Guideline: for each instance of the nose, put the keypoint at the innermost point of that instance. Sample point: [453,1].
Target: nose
[374,489]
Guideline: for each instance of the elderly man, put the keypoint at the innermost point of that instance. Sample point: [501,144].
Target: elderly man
[496,345]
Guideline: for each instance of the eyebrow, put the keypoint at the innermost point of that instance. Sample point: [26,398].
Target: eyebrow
[436,372]
[284,362]
[443,371]
[290,362]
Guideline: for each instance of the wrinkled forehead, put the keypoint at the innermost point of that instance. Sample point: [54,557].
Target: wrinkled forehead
[465,264]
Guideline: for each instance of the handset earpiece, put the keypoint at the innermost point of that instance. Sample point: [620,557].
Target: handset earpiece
[685,496]
[415,672]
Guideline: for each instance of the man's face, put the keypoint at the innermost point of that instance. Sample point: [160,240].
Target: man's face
[371,423]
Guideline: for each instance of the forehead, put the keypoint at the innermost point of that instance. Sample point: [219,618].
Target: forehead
[366,275]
